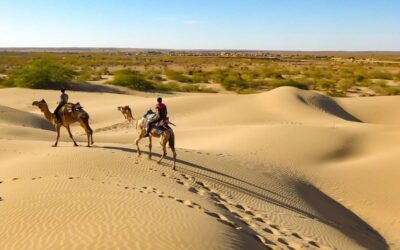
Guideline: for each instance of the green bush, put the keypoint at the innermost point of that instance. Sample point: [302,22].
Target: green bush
[380,75]
[41,74]
[345,84]
[270,73]
[153,75]
[387,90]
[326,84]
[84,75]
[335,93]
[201,76]
[131,79]
[230,80]
[172,86]
[177,76]
[290,82]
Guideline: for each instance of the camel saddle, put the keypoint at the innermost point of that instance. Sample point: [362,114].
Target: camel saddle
[71,107]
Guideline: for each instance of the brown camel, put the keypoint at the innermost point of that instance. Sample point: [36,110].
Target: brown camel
[166,136]
[69,114]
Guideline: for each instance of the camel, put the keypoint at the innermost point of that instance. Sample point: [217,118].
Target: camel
[166,136]
[70,113]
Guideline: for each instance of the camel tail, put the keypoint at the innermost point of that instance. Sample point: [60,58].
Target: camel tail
[171,141]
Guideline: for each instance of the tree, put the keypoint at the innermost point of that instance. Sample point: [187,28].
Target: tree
[41,74]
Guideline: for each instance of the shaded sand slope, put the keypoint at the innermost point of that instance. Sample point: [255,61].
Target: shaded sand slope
[16,117]
[283,169]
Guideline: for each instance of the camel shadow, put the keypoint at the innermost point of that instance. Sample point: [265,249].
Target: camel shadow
[351,226]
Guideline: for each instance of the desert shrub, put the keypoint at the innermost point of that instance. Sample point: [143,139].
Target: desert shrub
[270,73]
[345,84]
[177,76]
[380,75]
[336,93]
[41,74]
[201,76]
[84,75]
[170,86]
[230,79]
[173,86]
[289,82]
[325,84]
[250,76]
[387,90]
[153,75]
[103,71]
[97,75]
[397,76]
[6,83]
[247,91]
[131,79]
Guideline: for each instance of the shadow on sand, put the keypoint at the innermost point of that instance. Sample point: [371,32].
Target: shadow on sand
[328,211]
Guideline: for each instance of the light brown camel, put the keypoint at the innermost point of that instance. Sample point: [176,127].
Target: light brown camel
[68,115]
[166,136]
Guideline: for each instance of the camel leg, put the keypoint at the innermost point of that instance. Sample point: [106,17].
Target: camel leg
[58,127]
[87,129]
[171,142]
[150,145]
[90,133]
[174,156]
[163,142]
[70,135]
[137,143]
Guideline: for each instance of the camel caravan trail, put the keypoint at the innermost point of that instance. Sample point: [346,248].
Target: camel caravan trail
[284,169]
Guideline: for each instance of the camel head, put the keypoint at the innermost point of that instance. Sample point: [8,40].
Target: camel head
[127,112]
[42,105]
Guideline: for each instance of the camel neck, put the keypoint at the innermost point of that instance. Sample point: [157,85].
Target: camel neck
[48,114]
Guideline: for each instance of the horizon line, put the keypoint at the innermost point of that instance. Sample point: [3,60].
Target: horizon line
[194,49]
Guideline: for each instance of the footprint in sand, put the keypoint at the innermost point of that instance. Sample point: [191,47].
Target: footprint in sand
[283,241]
[274,226]
[259,219]
[268,230]
[297,236]
[313,243]
[221,218]
[180,182]
[14,179]
[1,182]
[201,184]
[240,207]
[249,212]
[193,190]
[265,241]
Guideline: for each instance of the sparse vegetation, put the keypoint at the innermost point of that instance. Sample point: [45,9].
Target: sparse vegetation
[40,74]
[131,79]
[334,74]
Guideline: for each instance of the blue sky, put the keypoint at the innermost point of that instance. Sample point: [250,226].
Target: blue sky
[206,24]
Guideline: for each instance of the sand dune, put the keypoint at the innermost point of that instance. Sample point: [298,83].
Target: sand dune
[16,117]
[285,169]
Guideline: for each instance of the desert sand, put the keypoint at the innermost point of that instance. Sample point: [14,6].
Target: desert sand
[285,169]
